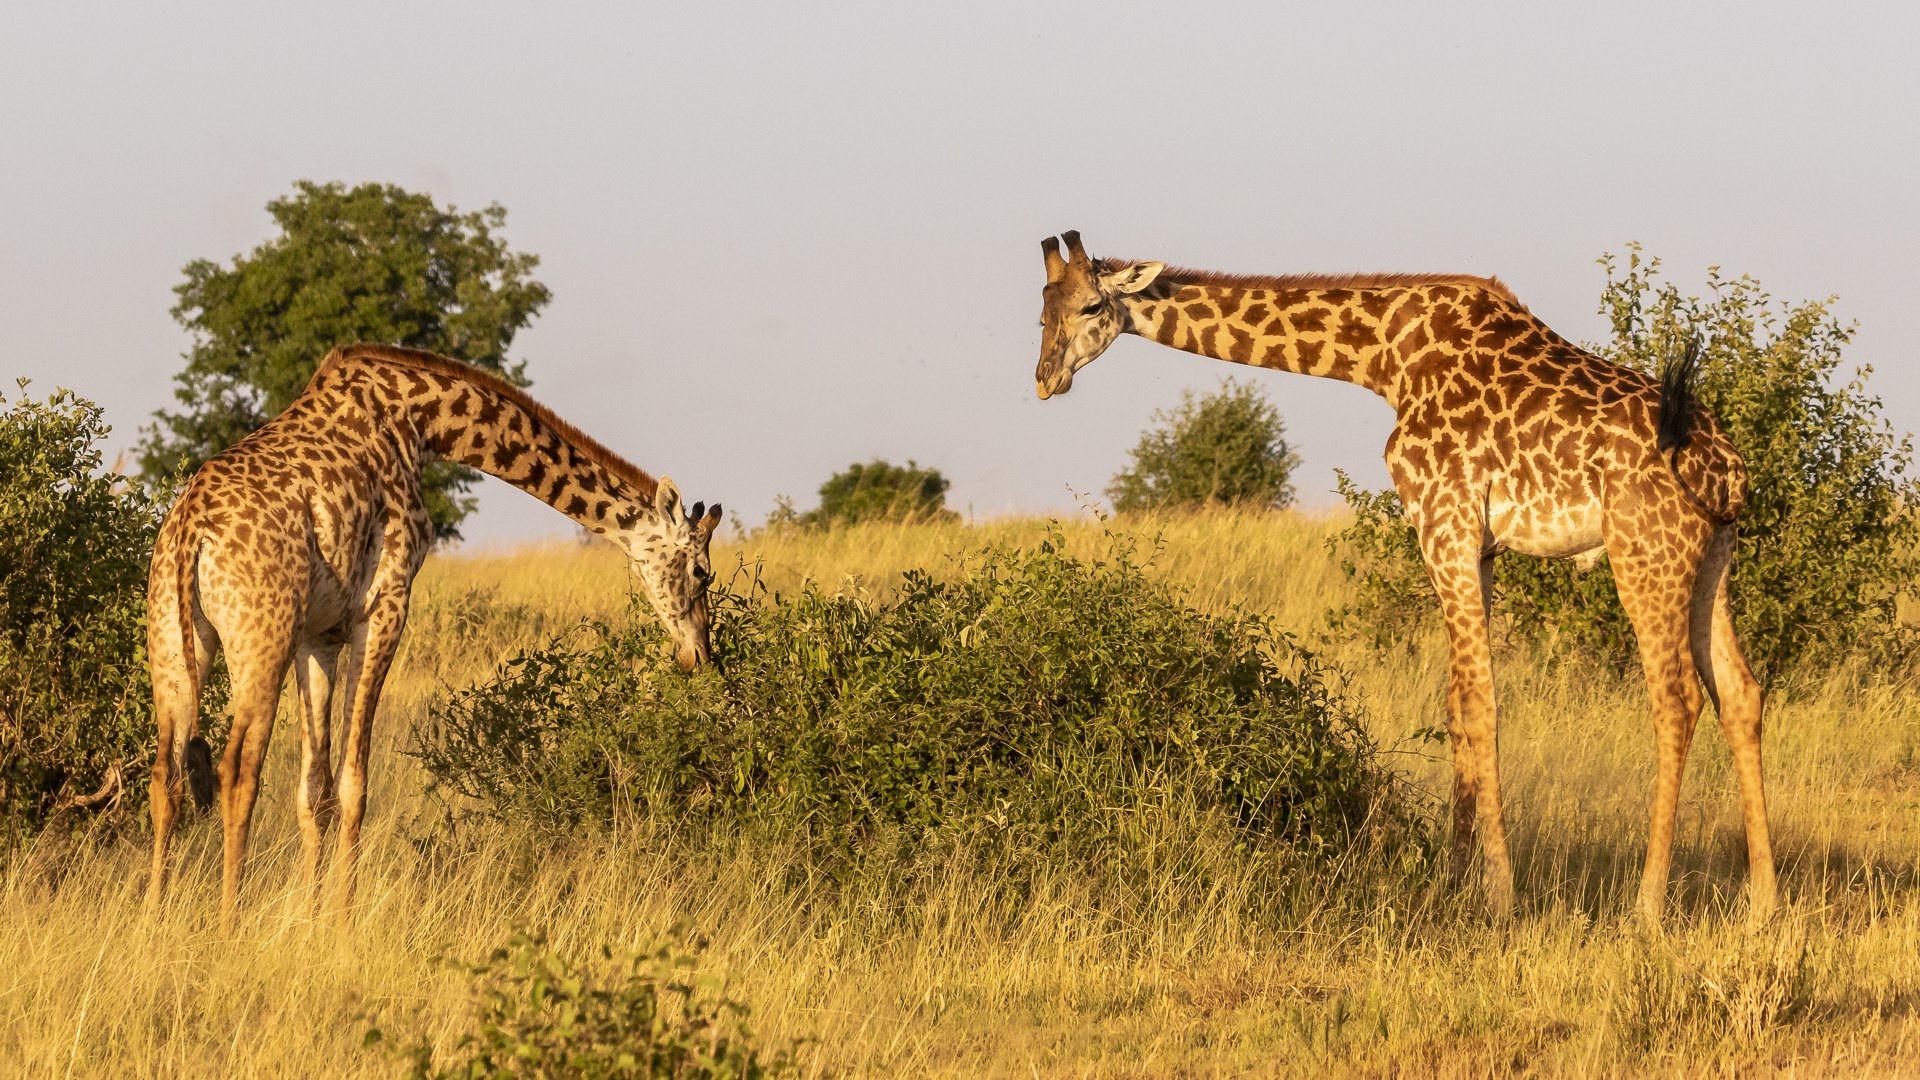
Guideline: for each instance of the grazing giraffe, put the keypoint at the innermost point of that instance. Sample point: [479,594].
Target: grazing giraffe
[1507,437]
[303,540]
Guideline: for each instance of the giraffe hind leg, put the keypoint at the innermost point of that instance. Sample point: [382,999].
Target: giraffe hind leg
[1738,700]
[179,748]
[256,692]
[1654,586]
[314,667]
[372,648]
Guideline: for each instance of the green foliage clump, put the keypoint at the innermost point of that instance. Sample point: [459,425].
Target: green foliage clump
[374,263]
[875,491]
[1226,447]
[75,700]
[629,1015]
[1827,539]
[1028,697]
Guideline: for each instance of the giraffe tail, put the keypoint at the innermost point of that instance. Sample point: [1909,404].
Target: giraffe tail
[1674,427]
[198,757]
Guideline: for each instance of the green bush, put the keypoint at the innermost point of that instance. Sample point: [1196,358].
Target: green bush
[875,491]
[1027,696]
[1827,540]
[638,1015]
[75,701]
[1227,447]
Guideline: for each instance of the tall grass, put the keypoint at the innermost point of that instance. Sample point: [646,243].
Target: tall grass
[1220,968]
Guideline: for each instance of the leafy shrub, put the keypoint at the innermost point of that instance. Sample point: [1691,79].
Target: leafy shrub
[875,491]
[1827,540]
[1227,447]
[75,701]
[1033,691]
[636,1015]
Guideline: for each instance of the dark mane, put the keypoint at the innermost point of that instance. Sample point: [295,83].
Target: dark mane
[1181,275]
[583,443]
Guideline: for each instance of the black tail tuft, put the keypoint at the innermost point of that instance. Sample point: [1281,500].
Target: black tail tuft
[1676,396]
[200,778]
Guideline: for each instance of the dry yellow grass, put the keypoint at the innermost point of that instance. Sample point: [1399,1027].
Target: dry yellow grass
[1413,985]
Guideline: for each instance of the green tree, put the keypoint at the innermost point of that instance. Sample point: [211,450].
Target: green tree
[1827,539]
[75,700]
[1227,447]
[878,491]
[374,263]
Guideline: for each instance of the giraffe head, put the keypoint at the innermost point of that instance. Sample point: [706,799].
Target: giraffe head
[667,551]
[1080,310]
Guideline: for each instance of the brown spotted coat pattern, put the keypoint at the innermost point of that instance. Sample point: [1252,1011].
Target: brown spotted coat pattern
[302,541]
[1507,437]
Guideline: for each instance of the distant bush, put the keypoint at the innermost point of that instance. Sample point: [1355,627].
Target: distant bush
[1028,696]
[75,701]
[1828,540]
[875,491]
[878,491]
[1226,447]
[622,1016]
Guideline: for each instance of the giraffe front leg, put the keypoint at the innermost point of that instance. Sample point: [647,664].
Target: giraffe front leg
[1466,766]
[1460,580]
[314,667]
[1466,807]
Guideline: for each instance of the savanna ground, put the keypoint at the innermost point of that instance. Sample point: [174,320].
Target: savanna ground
[1360,970]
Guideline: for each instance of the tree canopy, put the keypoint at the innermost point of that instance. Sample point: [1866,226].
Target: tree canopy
[371,263]
[874,491]
[1226,447]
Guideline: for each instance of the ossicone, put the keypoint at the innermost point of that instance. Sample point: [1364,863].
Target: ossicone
[1056,266]
[1077,253]
[704,520]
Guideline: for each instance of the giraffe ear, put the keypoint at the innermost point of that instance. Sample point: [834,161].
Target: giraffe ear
[666,500]
[1132,279]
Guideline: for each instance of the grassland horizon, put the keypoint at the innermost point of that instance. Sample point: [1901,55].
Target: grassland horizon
[1232,967]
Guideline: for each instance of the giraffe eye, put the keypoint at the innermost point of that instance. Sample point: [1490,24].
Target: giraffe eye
[1091,308]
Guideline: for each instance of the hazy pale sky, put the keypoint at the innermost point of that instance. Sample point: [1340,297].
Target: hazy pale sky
[784,238]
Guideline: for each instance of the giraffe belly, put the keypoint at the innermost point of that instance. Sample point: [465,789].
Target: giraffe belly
[1559,533]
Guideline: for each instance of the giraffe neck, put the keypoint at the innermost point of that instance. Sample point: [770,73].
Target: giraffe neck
[470,417]
[479,427]
[1331,333]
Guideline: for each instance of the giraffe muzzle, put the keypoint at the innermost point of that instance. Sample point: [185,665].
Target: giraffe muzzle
[1055,382]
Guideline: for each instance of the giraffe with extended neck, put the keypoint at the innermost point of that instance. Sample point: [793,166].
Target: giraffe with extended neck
[1507,438]
[303,540]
